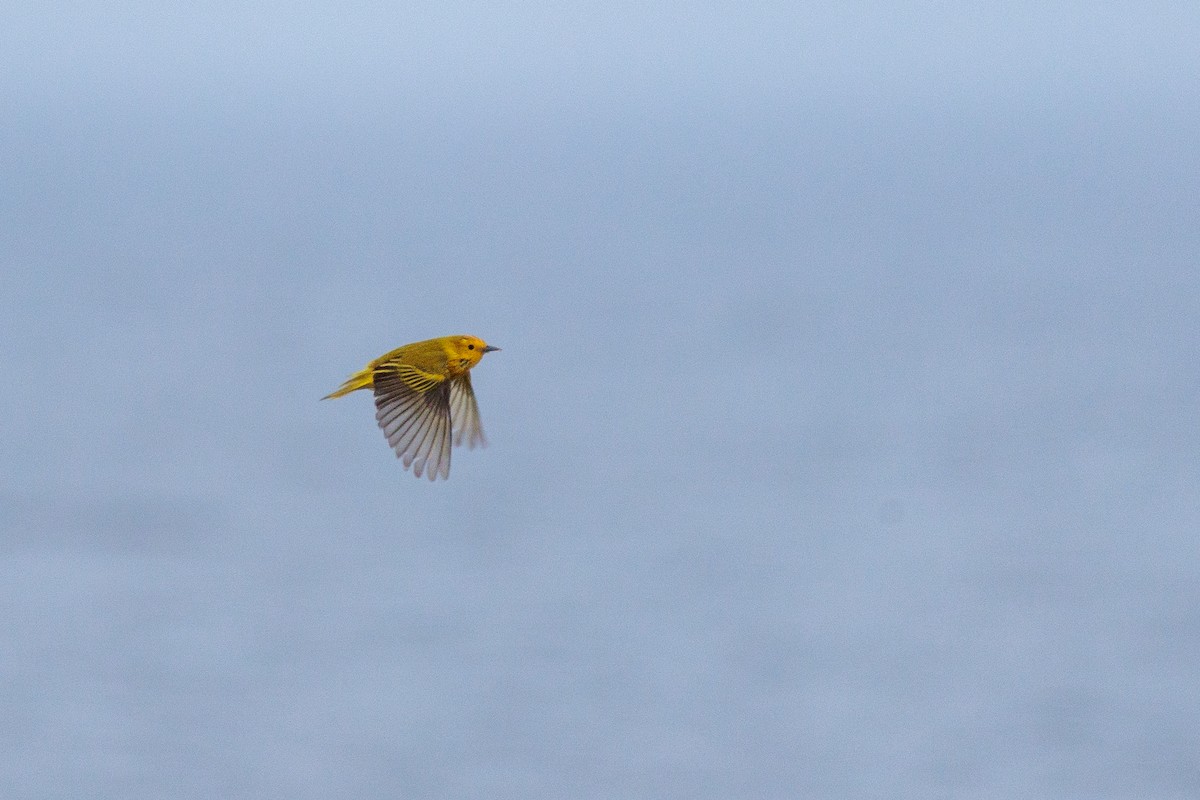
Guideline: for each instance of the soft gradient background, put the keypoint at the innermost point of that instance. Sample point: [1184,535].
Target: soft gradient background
[844,440]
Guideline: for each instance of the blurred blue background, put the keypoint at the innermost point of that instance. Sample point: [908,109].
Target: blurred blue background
[843,442]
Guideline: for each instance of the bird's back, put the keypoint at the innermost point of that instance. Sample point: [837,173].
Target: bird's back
[428,356]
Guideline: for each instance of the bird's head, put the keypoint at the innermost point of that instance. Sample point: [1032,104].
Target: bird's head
[469,349]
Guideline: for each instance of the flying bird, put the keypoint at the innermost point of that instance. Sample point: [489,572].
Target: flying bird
[424,400]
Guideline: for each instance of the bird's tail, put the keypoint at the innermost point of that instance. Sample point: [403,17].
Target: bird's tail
[363,379]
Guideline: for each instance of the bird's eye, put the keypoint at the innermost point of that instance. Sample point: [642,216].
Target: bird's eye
[470,347]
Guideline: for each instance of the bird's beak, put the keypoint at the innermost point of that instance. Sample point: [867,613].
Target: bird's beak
[488,348]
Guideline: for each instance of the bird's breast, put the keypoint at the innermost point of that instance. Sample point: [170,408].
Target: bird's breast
[458,366]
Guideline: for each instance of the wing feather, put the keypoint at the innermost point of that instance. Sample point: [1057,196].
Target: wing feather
[424,437]
[413,410]
[464,413]
[432,451]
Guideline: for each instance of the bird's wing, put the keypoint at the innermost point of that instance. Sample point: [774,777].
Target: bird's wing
[464,413]
[413,409]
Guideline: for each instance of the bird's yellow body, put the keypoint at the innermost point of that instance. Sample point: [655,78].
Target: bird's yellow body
[424,399]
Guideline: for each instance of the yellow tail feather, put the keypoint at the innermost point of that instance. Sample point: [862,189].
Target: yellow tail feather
[363,379]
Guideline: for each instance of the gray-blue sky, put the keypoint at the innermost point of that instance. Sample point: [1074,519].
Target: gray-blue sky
[843,437]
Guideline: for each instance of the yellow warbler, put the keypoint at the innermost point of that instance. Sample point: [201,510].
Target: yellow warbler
[423,399]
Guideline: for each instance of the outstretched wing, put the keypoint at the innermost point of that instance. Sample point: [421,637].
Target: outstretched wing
[464,413]
[413,409]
